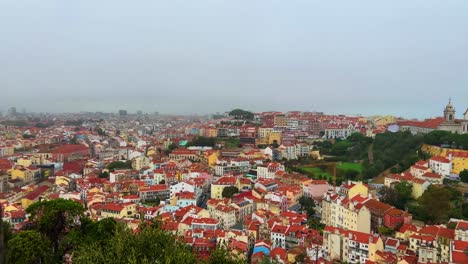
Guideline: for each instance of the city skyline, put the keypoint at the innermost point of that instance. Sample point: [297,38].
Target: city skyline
[400,58]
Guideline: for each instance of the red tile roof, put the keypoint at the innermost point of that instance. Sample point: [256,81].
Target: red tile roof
[36,193]
[440,159]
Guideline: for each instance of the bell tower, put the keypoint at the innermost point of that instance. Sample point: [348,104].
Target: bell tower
[449,112]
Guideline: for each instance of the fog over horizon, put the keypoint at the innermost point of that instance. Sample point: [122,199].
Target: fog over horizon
[404,58]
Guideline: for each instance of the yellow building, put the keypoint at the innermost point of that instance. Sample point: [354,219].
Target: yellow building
[212,132]
[33,196]
[210,157]
[419,187]
[459,161]
[384,120]
[26,174]
[119,210]
[140,162]
[223,182]
[351,215]
[458,157]
[405,232]
[280,120]
[352,189]
[274,136]
[25,161]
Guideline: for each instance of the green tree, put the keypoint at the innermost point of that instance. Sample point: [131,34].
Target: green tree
[464,175]
[398,196]
[103,174]
[202,142]
[438,204]
[351,174]
[385,231]
[54,218]
[404,190]
[150,245]
[241,114]
[170,148]
[119,165]
[29,247]
[229,191]
[222,256]
[307,204]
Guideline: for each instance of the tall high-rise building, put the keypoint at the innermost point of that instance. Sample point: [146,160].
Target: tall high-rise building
[122,112]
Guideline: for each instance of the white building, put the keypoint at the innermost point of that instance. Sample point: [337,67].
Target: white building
[440,165]
[268,171]
[278,236]
[339,131]
[239,165]
[181,187]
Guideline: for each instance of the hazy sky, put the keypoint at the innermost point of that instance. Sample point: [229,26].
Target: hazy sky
[370,57]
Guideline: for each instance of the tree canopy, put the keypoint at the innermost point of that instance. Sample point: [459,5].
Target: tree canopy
[438,204]
[54,218]
[119,165]
[308,205]
[58,227]
[464,175]
[454,140]
[241,114]
[398,196]
[229,191]
[29,247]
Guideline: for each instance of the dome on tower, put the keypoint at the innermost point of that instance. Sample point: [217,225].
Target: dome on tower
[449,106]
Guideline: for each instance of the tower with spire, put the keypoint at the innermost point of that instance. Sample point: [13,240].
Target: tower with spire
[450,123]
[449,112]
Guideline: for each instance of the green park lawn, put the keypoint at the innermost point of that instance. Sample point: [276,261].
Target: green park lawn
[317,172]
[350,166]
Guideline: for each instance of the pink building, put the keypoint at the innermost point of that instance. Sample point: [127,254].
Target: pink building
[316,189]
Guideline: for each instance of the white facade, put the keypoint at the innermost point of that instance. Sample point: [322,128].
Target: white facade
[441,166]
[339,132]
[269,171]
[181,187]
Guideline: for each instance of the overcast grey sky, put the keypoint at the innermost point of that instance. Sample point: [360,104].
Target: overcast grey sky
[369,57]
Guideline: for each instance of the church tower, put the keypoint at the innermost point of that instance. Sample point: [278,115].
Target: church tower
[449,112]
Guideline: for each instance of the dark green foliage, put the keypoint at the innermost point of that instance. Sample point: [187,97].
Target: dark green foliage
[393,149]
[229,191]
[29,247]
[105,241]
[119,165]
[324,147]
[385,231]
[308,205]
[351,174]
[241,114]
[439,137]
[53,218]
[314,223]
[221,256]
[398,196]
[104,174]
[438,205]
[150,245]
[78,122]
[43,125]
[231,143]
[464,175]
[28,136]
[7,232]
[170,148]
[202,142]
